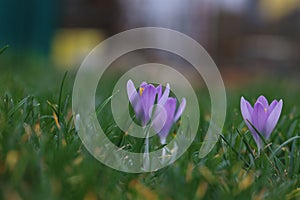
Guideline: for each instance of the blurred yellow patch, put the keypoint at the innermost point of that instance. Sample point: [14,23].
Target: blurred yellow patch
[260,195]
[12,159]
[143,191]
[189,172]
[295,194]
[244,129]
[201,190]
[206,173]
[277,9]
[63,142]
[246,182]
[71,46]
[28,132]
[37,129]
[56,120]
[75,180]
[78,160]
[90,196]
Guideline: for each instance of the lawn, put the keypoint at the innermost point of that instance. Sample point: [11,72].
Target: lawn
[42,156]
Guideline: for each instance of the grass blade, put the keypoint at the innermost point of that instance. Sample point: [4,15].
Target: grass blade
[101,106]
[234,150]
[246,143]
[18,106]
[3,49]
[60,95]
[283,144]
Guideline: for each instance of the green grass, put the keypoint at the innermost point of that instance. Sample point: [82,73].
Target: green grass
[42,157]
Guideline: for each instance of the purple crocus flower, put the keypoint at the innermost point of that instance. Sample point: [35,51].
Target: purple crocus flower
[165,113]
[168,115]
[262,116]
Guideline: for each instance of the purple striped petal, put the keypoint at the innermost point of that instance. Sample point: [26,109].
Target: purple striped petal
[147,98]
[273,119]
[272,106]
[143,84]
[180,109]
[246,110]
[263,101]
[259,117]
[134,99]
[159,118]
[165,95]
[170,107]
[131,90]
[159,91]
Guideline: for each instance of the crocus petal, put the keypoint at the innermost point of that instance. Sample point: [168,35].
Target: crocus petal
[273,119]
[159,118]
[165,95]
[263,101]
[180,109]
[131,90]
[147,99]
[134,99]
[170,107]
[257,138]
[271,107]
[143,84]
[246,110]
[259,117]
[159,91]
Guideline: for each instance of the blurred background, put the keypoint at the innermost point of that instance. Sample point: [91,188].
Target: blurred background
[246,38]
[255,44]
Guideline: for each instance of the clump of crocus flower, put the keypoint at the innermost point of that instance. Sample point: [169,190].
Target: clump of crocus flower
[262,116]
[164,114]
